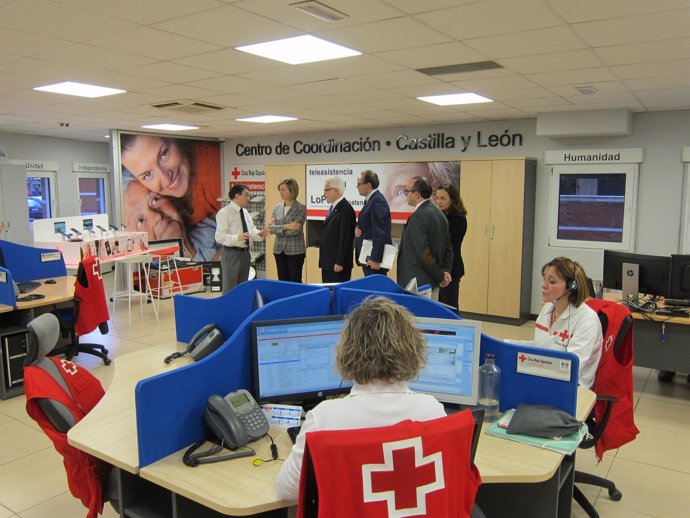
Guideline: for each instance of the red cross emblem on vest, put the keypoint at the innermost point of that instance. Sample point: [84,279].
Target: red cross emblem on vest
[96,269]
[404,479]
[564,335]
[68,367]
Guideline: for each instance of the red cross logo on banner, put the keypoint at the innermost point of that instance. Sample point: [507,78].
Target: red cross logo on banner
[522,358]
[235,172]
[564,335]
[68,367]
[404,479]
[96,269]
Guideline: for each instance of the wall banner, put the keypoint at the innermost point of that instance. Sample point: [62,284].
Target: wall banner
[392,176]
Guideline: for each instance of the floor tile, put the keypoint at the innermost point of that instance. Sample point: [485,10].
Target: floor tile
[659,448]
[663,414]
[651,490]
[20,440]
[64,506]
[33,479]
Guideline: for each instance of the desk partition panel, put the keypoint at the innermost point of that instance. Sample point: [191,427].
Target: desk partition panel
[7,288]
[229,310]
[28,263]
[518,387]
[169,407]
[346,299]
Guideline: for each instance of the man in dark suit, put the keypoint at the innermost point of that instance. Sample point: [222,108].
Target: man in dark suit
[425,250]
[336,240]
[374,223]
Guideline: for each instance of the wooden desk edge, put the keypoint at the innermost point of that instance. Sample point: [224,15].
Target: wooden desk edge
[61,291]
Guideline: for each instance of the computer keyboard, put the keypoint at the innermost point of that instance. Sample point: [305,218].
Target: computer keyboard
[677,302]
[27,286]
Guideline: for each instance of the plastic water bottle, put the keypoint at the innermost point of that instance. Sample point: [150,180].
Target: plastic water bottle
[489,388]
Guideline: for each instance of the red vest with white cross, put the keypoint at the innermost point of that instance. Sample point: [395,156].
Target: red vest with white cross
[88,289]
[413,468]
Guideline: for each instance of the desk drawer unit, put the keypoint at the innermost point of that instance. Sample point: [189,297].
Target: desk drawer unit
[13,351]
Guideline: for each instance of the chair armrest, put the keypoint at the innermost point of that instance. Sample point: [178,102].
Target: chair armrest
[600,427]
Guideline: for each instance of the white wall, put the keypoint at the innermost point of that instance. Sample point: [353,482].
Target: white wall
[62,151]
[662,135]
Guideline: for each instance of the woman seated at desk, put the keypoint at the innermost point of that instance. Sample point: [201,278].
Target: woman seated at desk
[565,322]
[380,349]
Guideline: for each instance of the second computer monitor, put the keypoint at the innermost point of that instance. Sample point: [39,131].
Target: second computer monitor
[680,276]
[653,272]
[451,372]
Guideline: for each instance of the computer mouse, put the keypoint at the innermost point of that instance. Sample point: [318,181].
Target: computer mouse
[51,281]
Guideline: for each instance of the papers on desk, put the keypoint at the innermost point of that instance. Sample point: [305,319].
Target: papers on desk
[389,253]
[566,445]
[284,416]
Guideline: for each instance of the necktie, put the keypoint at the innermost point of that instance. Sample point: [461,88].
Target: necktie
[330,209]
[245,228]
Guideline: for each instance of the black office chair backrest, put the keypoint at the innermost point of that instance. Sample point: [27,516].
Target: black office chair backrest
[44,332]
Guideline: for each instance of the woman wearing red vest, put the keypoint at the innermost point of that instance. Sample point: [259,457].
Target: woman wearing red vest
[380,349]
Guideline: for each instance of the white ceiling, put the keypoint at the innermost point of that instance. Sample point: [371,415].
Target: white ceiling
[635,53]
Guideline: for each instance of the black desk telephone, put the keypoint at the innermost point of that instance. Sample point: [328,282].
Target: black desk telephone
[204,342]
[235,420]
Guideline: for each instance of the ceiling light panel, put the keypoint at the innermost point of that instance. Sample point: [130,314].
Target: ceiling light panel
[170,127]
[453,99]
[266,119]
[79,89]
[300,49]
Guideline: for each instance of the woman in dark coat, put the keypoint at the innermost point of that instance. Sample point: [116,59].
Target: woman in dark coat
[448,200]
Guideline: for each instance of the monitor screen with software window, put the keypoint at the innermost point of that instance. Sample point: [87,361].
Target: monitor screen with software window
[294,360]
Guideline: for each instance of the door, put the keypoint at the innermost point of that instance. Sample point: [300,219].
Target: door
[475,190]
[13,198]
[505,232]
[41,197]
[93,193]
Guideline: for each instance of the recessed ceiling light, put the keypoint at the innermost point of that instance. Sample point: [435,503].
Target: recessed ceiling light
[170,127]
[300,49]
[79,89]
[267,118]
[319,10]
[450,99]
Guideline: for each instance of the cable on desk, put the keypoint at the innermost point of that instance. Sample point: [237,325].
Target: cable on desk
[192,459]
[274,454]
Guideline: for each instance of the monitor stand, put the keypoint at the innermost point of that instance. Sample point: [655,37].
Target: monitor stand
[630,280]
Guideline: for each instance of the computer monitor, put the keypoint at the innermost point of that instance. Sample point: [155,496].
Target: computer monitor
[451,372]
[294,360]
[680,276]
[653,276]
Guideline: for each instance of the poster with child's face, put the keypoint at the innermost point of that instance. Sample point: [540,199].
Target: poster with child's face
[170,189]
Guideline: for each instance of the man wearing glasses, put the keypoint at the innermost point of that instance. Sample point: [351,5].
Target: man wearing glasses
[373,223]
[425,250]
[336,240]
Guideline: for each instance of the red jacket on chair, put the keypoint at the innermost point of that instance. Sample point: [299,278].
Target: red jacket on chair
[90,295]
[614,378]
[85,473]
[413,468]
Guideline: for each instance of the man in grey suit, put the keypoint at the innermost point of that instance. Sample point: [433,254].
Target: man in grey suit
[425,250]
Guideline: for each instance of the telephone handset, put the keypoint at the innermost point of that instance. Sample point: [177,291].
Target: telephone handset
[235,419]
[204,342]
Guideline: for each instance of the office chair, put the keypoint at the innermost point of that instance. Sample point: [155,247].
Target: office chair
[413,468]
[58,395]
[612,420]
[89,310]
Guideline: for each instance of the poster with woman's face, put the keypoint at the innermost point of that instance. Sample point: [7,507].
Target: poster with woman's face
[392,177]
[170,189]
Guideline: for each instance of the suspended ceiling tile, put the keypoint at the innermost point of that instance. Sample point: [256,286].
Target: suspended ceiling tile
[492,17]
[554,39]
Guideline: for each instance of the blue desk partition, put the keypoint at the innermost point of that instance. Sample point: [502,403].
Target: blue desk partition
[345,300]
[229,310]
[519,388]
[170,406]
[25,262]
[7,289]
